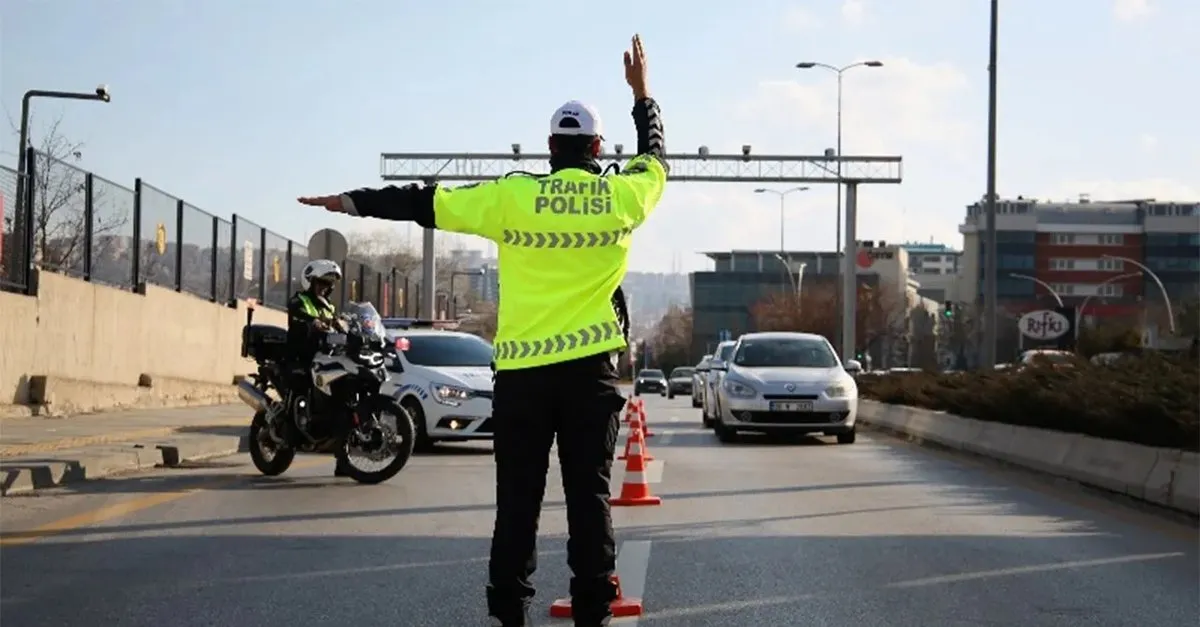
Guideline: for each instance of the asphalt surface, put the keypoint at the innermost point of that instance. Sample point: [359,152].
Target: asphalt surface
[764,532]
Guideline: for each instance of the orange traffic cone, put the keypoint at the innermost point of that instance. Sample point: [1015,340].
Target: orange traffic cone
[622,606]
[641,410]
[635,489]
[636,441]
[630,411]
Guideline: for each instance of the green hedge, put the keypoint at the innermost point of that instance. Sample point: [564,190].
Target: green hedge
[1149,399]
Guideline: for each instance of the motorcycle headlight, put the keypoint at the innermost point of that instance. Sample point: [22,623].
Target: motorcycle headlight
[739,389]
[449,395]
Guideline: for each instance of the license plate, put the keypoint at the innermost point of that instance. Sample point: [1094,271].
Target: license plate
[792,406]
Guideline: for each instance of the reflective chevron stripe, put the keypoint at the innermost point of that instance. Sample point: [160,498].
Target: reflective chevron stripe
[560,239]
[520,349]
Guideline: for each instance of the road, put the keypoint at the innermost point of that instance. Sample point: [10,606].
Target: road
[879,533]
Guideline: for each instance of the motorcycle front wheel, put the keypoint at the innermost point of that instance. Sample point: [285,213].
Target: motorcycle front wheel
[397,435]
[269,458]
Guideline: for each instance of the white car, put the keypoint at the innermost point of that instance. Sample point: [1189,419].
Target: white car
[445,379]
[698,376]
[786,383]
[712,382]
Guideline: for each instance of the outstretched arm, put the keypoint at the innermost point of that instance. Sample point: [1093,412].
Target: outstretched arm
[473,209]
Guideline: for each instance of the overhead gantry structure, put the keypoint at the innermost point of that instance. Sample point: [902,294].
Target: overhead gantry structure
[702,167]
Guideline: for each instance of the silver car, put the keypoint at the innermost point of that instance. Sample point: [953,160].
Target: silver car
[712,382]
[786,383]
[698,377]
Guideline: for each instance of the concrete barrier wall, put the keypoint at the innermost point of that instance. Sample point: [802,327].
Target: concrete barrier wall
[1166,477]
[80,347]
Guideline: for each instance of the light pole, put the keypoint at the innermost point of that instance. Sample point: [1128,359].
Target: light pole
[782,196]
[840,71]
[848,255]
[1119,277]
[23,206]
[1157,281]
[991,257]
[794,281]
[1040,282]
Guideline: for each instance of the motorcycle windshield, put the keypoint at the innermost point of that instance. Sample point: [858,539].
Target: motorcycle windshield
[366,321]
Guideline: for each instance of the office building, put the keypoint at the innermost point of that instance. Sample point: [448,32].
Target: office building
[724,298]
[1086,252]
[935,267]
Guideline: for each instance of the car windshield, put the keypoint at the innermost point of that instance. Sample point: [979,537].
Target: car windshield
[784,353]
[651,374]
[365,321]
[725,352]
[682,373]
[449,349]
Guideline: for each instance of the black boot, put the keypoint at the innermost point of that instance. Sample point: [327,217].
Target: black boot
[339,470]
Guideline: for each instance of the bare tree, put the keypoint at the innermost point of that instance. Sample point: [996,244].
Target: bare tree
[60,200]
[880,322]
[670,346]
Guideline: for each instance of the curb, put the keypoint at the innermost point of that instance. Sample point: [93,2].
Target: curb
[21,475]
[1168,478]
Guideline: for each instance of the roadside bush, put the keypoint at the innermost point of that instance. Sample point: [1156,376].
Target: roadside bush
[1148,399]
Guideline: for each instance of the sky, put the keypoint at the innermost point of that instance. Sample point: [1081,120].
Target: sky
[241,106]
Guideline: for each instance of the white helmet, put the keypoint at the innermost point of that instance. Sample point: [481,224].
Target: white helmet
[320,269]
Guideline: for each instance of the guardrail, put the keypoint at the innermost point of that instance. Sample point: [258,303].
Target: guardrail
[1166,477]
[78,223]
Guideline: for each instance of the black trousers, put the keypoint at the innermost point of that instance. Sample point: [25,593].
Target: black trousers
[579,402]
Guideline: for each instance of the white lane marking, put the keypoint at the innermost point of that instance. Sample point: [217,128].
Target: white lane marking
[673,419]
[1036,568]
[666,438]
[633,562]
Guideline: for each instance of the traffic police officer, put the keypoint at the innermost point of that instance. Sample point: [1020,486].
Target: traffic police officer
[563,243]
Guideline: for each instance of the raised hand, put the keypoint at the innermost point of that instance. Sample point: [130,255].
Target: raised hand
[635,69]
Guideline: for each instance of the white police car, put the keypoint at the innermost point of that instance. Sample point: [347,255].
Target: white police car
[444,378]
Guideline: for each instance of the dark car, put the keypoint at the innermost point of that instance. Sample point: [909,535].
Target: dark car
[680,382]
[653,381]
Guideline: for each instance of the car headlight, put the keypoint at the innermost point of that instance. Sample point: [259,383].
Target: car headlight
[449,395]
[738,389]
[838,390]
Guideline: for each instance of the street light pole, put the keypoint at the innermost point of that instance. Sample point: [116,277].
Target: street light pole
[782,216]
[23,206]
[1119,277]
[990,278]
[840,71]
[1157,281]
[1040,282]
[849,249]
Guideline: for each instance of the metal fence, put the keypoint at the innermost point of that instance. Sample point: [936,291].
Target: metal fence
[77,223]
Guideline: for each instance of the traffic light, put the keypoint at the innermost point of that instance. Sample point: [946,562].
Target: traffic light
[948,309]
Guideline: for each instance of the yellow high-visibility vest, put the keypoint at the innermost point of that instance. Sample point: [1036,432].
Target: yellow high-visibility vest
[563,242]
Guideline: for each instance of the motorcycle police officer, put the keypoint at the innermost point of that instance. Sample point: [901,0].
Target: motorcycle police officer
[311,315]
[564,246]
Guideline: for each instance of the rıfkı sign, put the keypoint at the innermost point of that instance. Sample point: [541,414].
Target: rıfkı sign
[1044,324]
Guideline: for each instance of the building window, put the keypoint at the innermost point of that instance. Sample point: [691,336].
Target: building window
[1112,265]
[1063,289]
[1062,264]
[1063,238]
[1112,239]
[1110,289]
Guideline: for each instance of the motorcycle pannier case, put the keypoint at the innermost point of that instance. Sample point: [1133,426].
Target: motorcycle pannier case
[264,342]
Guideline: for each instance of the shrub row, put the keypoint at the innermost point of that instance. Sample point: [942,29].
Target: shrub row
[1147,399]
